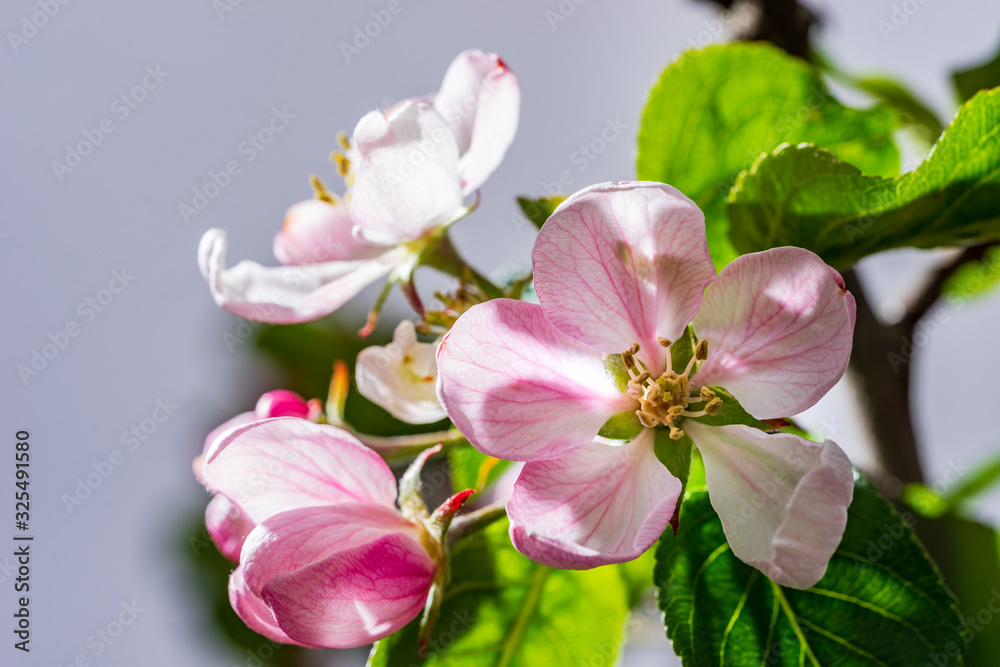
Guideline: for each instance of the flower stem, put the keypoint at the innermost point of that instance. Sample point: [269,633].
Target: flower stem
[473,522]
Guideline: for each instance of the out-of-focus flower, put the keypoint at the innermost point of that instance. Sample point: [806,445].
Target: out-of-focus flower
[331,561]
[227,527]
[410,169]
[402,376]
[622,269]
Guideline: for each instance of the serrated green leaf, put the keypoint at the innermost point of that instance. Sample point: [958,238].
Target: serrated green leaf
[912,110]
[539,210]
[804,196]
[881,601]
[502,609]
[970,81]
[715,110]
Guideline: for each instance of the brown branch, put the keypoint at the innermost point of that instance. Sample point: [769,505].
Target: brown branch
[932,289]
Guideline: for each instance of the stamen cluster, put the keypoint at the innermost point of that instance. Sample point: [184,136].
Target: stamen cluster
[665,400]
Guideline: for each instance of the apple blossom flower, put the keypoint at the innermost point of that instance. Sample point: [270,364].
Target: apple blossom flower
[623,269]
[227,527]
[402,377]
[331,562]
[410,170]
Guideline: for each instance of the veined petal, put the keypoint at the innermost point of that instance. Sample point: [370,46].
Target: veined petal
[287,294]
[779,326]
[619,263]
[339,576]
[519,389]
[238,420]
[227,527]
[252,610]
[401,377]
[315,231]
[406,182]
[480,98]
[285,463]
[596,505]
[782,500]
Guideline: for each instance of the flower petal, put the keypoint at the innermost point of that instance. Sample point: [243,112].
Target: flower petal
[520,390]
[227,527]
[779,326]
[238,420]
[782,500]
[406,182]
[287,294]
[480,98]
[401,377]
[285,463]
[339,576]
[619,263]
[599,504]
[252,610]
[315,231]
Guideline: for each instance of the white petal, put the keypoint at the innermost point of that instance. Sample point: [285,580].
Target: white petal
[782,500]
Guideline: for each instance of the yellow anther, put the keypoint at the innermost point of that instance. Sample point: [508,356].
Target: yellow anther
[713,406]
[673,412]
[343,164]
[634,349]
[641,377]
[320,191]
[676,433]
[342,141]
[665,342]
[701,350]
[707,394]
[628,358]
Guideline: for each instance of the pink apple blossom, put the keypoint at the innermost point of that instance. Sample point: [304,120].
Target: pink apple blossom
[623,269]
[410,170]
[331,562]
[227,527]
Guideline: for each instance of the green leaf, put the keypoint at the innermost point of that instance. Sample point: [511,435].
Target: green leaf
[970,81]
[471,469]
[676,455]
[715,110]
[804,196]
[982,478]
[502,609]
[975,278]
[881,601]
[539,210]
[623,426]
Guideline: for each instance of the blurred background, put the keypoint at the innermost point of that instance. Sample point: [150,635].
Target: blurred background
[168,94]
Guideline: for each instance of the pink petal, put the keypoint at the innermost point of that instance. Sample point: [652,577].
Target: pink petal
[227,527]
[316,231]
[238,420]
[252,610]
[779,326]
[281,403]
[480,98]
[782,500]
[599,504]
[406,181]
[287,294]
[619,263]
[520,390]
[285,463]
[339,576]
